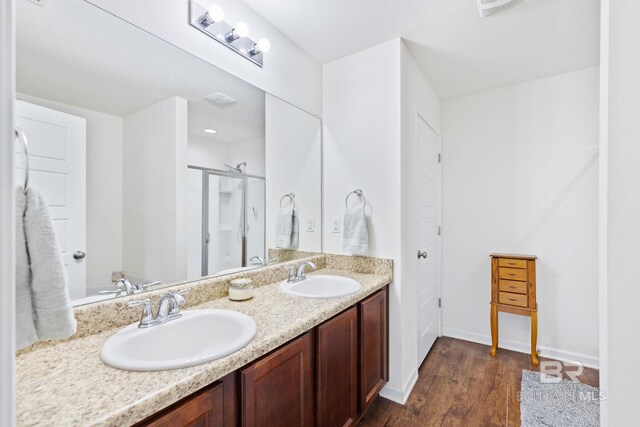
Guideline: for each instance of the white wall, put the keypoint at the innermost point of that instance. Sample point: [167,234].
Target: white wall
[7,216]
[368,97]
[520,175]
[361,149]
[289,72]
[155,192]
[293,164]
[104,191]
[418,97]
[623,294]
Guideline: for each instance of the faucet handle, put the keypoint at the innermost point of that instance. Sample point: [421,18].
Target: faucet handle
[291,269]
[273,261]
[145,302]
[146,319]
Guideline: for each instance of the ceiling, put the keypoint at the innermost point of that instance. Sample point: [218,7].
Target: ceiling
[459,52]
[74,53]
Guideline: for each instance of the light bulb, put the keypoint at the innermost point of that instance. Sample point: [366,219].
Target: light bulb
[216,13]
[264,45]
[241,29]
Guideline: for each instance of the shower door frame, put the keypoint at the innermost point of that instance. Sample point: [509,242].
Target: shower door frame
[206,235]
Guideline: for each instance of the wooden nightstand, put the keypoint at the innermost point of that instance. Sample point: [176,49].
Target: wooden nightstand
[513,290]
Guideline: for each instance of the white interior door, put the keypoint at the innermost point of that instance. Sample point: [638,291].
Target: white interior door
[428,254]
[57,146]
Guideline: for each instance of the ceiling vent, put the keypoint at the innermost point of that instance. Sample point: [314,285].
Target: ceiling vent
[491,7]
[220,98]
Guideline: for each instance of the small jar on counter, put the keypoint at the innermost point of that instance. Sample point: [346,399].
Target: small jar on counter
[240,289]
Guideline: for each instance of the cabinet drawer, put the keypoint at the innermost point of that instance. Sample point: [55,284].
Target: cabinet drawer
[513,299]
[512,274]
[512,263]
[513,286]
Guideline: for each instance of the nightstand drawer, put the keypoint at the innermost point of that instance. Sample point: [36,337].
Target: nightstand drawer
[512,299]
[513,286]
[513,263]
[512,274]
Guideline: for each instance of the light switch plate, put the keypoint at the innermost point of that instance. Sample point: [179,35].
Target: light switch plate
[335,224]
[311,224]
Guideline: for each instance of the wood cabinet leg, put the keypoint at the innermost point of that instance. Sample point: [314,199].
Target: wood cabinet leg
[534,338]
[494,330]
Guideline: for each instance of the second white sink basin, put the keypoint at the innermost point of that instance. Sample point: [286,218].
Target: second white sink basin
[199,336]
[322,286]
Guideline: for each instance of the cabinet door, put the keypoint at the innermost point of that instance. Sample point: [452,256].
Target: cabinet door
[373,347]
[278,389]
[337,370]
[213,406]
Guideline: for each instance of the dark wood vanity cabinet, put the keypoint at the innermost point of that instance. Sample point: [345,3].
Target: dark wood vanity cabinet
[337,370]
[277,390]
[326,377]
[374,342]
[214,406]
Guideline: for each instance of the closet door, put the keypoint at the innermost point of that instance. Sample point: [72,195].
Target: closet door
[57,169]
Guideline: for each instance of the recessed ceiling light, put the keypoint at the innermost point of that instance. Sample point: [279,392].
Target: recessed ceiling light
[210,130]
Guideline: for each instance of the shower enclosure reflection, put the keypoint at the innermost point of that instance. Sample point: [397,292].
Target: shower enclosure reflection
[226,228]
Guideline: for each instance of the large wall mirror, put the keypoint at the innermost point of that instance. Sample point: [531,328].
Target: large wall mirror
[157,166]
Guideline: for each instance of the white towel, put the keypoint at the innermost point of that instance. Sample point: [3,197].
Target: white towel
[355,234]
[287,228]
[42,296]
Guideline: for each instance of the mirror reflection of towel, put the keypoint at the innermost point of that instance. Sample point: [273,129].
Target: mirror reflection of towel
[355,234]
[43,308]
[287,228]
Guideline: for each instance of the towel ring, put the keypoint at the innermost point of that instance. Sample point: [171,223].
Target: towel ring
[358,193]
[291,196]
[25,146]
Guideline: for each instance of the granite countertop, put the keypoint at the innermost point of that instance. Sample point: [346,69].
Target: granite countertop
[67,383]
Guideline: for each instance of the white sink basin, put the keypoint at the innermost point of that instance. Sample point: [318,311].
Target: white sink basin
[199,336]
[322,286]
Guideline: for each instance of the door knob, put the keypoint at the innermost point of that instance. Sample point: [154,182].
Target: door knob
[422,254]
[79,255]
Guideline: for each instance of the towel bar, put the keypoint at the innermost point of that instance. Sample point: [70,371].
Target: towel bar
[358,193]
[25,145]
[291,196]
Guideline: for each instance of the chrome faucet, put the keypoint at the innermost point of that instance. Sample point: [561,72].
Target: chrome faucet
[128,287]
[258,260]
[297,273]
[169,309]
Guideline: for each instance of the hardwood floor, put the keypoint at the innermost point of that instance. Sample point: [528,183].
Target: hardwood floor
[459,384]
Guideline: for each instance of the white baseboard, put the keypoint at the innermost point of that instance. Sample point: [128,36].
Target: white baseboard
[551,353]
[400,396]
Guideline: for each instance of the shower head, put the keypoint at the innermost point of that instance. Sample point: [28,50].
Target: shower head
[490,7]
[237,168]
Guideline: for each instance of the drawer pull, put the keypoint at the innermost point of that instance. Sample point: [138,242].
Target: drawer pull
[512,299]
[512,287]
[512,263]
[512,274]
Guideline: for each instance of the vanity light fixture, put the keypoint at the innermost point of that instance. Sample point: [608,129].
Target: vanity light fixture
[263,46]
[236,37]
[214,14]
[211,131]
